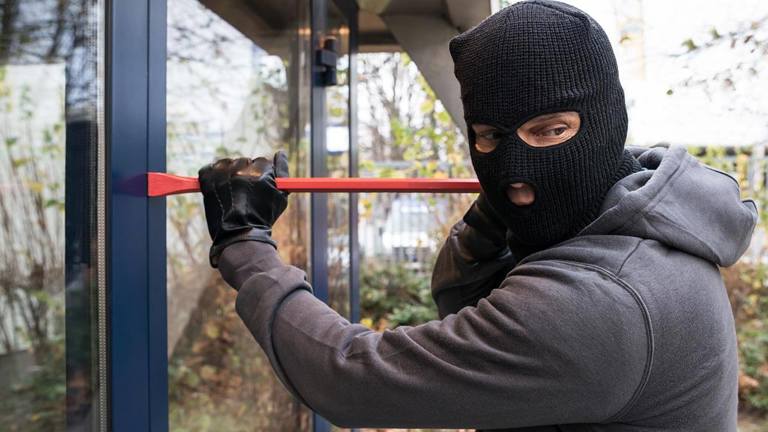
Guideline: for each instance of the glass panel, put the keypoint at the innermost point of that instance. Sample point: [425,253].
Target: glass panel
[338,145]
[337,142]
[50,262]
[238,84]
[404,132]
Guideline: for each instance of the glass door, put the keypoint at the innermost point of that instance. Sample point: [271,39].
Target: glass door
[52,290]
[334,216]
[338,138]
[244,79]
[238,84]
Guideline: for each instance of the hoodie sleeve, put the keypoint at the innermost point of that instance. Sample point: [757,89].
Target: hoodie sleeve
[468,267]
[555,344]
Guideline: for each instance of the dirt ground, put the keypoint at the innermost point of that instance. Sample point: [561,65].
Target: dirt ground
[750,423]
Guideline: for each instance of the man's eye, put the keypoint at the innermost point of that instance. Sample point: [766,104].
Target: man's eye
[492,135]
[487,141]
[554,131]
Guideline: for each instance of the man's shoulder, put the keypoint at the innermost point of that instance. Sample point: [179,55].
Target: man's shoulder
[641,267]
[576,280]
[582,275]
[658,310]
[577,310]
[608,252]
[581,281]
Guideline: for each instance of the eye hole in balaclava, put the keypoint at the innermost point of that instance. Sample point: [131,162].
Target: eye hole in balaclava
[545,130]
[533,58]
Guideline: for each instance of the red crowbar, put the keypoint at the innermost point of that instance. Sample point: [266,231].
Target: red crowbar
[161,184]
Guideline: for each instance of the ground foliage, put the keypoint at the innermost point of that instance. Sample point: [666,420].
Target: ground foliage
[747,280]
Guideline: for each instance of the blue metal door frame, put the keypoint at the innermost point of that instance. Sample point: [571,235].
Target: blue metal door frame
[319,168]
[136,249]
[135,132]
[350,10]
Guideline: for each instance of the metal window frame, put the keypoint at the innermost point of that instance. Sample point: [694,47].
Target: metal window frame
[136,258]
[350,9]
[319,168]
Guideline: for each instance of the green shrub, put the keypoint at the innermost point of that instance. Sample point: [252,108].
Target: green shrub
[392,294]
[748,292]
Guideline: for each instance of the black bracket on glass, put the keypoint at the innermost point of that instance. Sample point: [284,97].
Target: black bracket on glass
[325,59]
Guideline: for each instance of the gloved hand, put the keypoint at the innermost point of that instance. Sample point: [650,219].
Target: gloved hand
[483,218]
[242,201]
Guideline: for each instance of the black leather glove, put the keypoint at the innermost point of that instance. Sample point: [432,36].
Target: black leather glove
[484,219]
[242,201]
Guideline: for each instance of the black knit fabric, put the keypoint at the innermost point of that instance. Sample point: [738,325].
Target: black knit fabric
[521,248]
[533,58]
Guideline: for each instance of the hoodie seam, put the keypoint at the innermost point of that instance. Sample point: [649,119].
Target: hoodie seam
[738,186]
[629,255]
[648,332]
[280,371]
[713,256]
[651,205]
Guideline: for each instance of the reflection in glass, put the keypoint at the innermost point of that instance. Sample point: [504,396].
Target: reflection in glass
[49,123]
[404,132]
[238,85]
[337,144]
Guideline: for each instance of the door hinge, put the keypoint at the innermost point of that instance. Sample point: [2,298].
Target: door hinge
[325,60]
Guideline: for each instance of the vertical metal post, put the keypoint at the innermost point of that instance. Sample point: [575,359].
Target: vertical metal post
[135,75]
[354,246]
[156,219]
[318,164]
[318,168]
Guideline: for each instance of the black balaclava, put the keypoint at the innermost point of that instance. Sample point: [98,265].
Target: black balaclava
[532,58]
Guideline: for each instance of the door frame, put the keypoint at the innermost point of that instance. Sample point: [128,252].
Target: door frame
[136,258]
[319,167]
[135,87]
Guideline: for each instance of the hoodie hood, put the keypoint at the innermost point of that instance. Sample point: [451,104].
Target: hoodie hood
[682,203]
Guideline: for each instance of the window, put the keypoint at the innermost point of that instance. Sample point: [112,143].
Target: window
[52,298]
[237,85]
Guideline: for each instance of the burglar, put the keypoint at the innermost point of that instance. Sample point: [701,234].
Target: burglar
[580,291]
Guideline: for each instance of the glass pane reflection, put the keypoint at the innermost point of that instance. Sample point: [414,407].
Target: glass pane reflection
[49,128]
[236,86]
[337,143]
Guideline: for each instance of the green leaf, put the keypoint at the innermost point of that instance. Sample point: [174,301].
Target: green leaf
[53,203]
[16,163]
[690,44]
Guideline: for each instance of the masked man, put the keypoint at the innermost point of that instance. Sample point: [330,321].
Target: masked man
[580,291]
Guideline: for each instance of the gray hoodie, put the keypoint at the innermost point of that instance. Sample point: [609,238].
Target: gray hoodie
[625,327]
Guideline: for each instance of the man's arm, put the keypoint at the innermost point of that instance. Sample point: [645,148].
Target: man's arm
[468,267]
[554,344]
